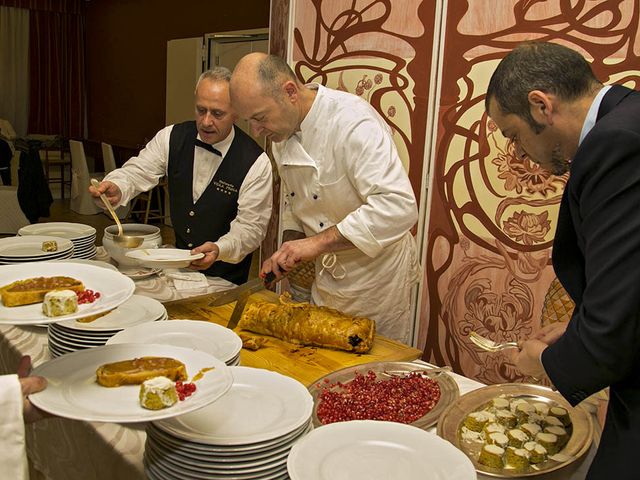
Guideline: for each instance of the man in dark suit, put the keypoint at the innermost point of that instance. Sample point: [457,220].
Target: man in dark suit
[545,98]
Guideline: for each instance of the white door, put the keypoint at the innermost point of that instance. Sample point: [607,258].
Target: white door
[227,48]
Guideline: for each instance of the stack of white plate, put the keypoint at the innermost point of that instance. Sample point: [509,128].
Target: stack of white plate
[82,236]
[246,434]
[211,338]
[16,250]
[72,335]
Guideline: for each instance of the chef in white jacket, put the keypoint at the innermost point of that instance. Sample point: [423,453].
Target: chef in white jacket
[15,409]
[347,193]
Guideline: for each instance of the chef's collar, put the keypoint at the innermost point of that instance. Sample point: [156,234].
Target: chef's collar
[313,115]
[223,145]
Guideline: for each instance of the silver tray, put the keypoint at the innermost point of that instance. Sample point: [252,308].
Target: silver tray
[451,421]
[449,391]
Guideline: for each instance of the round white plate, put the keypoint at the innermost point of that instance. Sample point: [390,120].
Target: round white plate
[261,405]
[114,289]
[215,458]
[136,310]
[170,457]
[73,343]
[164,257]
[72,231]
[376,451]
[72,390]
[97,263]
[216,340]
[18,248]
[138,273]
[232,452]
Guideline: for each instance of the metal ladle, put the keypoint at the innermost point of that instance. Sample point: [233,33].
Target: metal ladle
[124,241]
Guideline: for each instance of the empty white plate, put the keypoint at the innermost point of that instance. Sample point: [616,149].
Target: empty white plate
[219,341]
[164,257]
[376,451]
[260,406]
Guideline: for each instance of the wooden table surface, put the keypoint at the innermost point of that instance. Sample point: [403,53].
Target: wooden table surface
[306,364]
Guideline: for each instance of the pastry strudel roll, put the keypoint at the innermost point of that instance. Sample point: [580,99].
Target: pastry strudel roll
[305,324]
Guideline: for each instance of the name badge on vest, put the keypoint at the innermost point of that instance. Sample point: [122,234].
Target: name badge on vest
[225,187]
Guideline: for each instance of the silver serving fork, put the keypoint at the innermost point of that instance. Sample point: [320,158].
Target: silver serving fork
[489,345]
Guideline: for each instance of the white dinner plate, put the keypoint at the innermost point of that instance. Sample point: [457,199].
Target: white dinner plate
[114,289]
[97,263]
[233,452]
[164,257]
[72,390]
[72,231]
[261,405]
[136,310]
[376,451]
[138,273]
[216,340]
[20,248]
[252,457]
[171,457]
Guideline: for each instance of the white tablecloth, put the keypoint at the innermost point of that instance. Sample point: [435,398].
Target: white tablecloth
[62,449]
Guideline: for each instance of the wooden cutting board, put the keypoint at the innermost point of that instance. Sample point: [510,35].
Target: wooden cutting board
[306,364]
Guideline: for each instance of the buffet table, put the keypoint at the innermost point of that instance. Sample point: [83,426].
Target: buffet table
[59,448]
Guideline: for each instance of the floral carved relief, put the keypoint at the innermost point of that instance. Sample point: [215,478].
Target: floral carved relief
[378,51]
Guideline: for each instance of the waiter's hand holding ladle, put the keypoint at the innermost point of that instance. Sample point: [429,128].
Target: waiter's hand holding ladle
[124,241]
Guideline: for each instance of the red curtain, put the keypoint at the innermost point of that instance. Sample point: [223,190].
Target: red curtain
[57,80]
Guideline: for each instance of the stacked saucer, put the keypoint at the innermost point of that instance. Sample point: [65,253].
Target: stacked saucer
[246,434]
[72,335]
[82,236]
[17,250]
[208,337]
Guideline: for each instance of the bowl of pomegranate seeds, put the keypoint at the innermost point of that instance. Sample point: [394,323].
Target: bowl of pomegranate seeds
[401,392]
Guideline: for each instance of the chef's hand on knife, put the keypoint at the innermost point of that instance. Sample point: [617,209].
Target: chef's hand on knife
[304,249]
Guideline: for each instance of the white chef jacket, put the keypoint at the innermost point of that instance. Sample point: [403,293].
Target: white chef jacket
[13,455]
[247,230]
[342,168]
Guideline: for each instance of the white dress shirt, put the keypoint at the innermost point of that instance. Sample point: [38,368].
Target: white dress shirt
[247,230]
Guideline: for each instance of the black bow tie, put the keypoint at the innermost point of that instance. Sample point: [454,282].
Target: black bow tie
[206,146]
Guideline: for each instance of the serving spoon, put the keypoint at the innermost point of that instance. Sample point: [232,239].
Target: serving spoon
[124,241]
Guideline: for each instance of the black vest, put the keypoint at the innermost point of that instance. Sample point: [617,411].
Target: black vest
[210,217]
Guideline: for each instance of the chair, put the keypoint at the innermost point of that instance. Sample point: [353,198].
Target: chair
[11,216]
[108,159]
[81,200]
[145,199]
[54,156]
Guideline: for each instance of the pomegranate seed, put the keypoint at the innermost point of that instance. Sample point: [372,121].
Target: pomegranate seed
[399,399]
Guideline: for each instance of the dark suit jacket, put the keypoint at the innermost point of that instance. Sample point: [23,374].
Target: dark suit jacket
[596,256]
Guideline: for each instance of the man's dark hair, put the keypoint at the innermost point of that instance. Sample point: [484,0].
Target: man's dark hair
[544,66]
[273,71]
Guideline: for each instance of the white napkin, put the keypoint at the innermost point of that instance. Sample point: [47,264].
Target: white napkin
[13,456]
[186,279]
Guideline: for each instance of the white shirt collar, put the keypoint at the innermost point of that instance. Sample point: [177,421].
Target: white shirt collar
[592,114]
[223,145]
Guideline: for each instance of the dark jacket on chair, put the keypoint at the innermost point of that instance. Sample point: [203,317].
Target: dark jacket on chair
[34,194]
[596,256]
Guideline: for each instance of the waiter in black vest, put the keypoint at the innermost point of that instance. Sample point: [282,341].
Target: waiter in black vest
[219,182]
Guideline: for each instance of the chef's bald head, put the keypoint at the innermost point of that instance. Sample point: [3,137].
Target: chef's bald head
[269,72]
